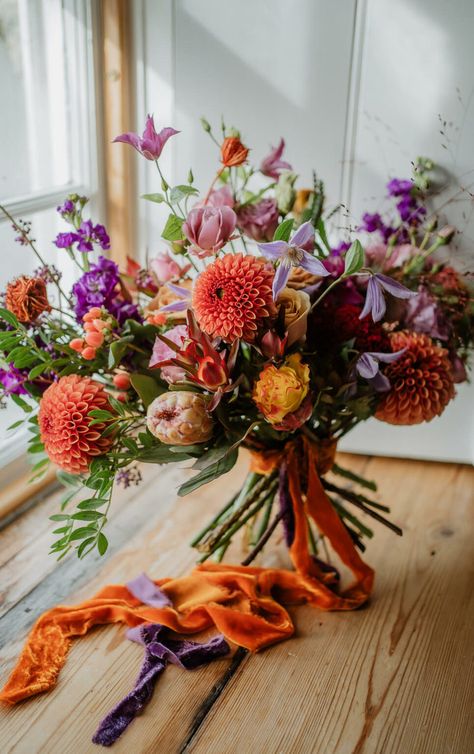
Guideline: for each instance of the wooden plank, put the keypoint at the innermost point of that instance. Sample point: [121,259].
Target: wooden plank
[394,677]
[379,678]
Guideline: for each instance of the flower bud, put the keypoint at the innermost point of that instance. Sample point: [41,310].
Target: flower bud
[89,353]
[233,152]
[122,381]
[446,234]
[285,193]
[179,418]
[77,344]
[206,125]
[94,339]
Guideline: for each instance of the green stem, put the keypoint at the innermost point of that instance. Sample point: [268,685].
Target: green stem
[212,524]
[326,291]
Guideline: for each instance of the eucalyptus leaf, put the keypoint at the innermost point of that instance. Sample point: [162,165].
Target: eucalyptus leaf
[283,231]
[222,466]
[147,388]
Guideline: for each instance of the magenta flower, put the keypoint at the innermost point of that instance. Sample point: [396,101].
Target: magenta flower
[293,254]
[209,228]
[151,144]
[377,286]
[272,164]
[86,236]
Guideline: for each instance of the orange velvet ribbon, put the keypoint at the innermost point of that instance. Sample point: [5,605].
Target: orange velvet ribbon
[244,603]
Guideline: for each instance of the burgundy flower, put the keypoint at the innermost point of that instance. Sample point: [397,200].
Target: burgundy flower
[259,221]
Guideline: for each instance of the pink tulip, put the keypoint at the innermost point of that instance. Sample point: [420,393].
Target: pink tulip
[209,229]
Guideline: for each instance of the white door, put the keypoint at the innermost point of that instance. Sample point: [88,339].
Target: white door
[358,88]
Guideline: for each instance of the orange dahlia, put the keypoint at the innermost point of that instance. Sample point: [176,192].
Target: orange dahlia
[64,424]
[233,295]
[421,380]
[26,298]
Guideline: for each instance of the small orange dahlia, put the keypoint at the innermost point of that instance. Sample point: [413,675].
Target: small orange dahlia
[421,380]
[27,298]
[64,424]
[233,296]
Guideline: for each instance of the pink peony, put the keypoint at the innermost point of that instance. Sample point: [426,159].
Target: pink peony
[259,221]
[165,267]
[162,352]
[209,228]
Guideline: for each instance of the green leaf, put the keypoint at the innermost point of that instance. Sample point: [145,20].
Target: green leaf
[83,546]
[87,516]
[59,517]
[21,403]
[15,424]
[211,472]
[160,453]
[101,415]
[181,192]
[283,231]
[157,198]
[118,350]
[68,480]
[37,370]
[82,533]
[102,544]
[147,388]
[322,232]
[354,259]
[9,317]
[92,502]
[173,229]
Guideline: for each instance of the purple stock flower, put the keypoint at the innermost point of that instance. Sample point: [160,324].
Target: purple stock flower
[12,380]
[293,254]
[368,367]
[259,221]
[68,208]
[399,187]
[272,164]
[151,143]
[377,286]
[372,222]
[99,286]
[86,236]
[410,210]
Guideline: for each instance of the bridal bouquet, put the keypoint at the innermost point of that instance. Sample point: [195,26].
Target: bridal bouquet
[253,327]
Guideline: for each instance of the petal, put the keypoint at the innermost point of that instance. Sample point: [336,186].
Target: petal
[176,306]
[150,130]
[313,265]
[303,235]
[394,287]
[179,290]
[281,276]
[367,366]
[274,249]
[388,358]
[380,383]
[165,134]
[129,138]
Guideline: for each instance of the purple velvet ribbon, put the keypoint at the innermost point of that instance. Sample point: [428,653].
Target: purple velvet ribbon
[286,507]
[160,648]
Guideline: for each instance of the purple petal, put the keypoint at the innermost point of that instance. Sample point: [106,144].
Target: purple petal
[303,235]
[145,590]
[281,277]
[387,358]
[176,306]
[313,265]
[179,290]
[165,134]
[274,249]
[374,301]
[394,287]
[367,366]
[380,382]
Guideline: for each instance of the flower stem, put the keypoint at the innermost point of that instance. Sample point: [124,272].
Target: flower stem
[326,291]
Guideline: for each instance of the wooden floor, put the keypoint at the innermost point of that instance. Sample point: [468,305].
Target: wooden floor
[396,676]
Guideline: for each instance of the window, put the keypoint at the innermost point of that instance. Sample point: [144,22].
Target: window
[48,136]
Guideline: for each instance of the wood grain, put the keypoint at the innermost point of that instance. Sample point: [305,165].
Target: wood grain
[394,677]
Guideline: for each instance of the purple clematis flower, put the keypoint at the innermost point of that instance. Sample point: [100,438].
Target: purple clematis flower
[375,302]
[293,254]
[151,144]
[184,303]
[368,367]
[272,164]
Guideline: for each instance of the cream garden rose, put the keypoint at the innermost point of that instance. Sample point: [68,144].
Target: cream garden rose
[297,305]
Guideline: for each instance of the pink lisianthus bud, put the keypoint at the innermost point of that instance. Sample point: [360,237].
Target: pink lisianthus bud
[164,267]
[209,228]
[259,221]
[162,352]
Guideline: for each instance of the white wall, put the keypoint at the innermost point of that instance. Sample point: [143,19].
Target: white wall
[356,88]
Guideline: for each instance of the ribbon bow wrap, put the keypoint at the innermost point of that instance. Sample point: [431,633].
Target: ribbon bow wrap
[245,603]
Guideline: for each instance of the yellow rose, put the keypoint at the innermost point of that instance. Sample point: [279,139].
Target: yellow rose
[280,390]
[296,306]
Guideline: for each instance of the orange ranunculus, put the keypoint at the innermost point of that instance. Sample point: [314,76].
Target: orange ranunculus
[27,298]
[280,391]
[233,152]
